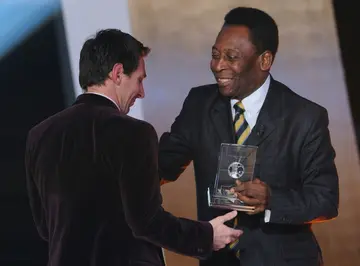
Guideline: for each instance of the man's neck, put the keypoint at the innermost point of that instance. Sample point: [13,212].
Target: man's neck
[103,92]
[254,88]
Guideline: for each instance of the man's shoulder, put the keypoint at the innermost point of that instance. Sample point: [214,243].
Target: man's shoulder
[131,132]
[121,120]
[135,127]
[43,125]
[204,91]
[296,102]
[111,124]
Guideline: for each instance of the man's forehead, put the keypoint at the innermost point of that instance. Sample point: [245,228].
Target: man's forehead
[141,67]
[232,37]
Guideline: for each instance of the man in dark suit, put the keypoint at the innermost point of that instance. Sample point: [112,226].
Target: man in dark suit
[296,180]
[93,177]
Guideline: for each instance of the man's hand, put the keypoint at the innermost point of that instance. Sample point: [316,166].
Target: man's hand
[254,193]
[224,235]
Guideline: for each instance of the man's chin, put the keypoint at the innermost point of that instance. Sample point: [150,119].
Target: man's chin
[226,91]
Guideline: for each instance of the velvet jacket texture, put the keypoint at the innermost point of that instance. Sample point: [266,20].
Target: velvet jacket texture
[94,190]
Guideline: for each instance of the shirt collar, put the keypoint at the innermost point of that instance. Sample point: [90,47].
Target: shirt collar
[100,94]
[254,101]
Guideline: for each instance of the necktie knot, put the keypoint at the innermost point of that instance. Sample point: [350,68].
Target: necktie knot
[239,107]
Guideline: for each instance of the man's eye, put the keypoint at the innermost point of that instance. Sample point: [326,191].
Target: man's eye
[231,57]
[215,56]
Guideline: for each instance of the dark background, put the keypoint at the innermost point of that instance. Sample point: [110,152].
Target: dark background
[36,83]
[347,23]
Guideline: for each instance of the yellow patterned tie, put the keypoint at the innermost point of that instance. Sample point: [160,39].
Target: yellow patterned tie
[242,129]
[242,132]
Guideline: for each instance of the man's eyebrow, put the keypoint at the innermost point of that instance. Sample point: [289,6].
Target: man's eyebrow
[233,49]
[228,49]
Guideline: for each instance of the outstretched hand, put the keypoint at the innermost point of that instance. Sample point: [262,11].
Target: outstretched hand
[223,234]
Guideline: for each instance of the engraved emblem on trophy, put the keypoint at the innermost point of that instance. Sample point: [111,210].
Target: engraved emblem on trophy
[236,162]
[236,170]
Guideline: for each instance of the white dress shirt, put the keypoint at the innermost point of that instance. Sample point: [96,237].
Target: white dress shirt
[252,105]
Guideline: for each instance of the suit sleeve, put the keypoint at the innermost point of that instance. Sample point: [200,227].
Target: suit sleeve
[318,199]
[141,199]
[34,198]
[175,148]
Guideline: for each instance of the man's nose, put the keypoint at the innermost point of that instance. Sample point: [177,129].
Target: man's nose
[142,92]
[219,64]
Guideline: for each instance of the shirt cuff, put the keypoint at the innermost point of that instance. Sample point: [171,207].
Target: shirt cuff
[267,216]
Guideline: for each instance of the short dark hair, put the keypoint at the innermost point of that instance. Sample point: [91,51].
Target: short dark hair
[263,30]
[100,53]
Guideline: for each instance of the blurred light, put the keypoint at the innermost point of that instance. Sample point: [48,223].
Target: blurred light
[20,18]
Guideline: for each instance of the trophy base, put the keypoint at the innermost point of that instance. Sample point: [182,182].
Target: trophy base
[233,207]
[228,203]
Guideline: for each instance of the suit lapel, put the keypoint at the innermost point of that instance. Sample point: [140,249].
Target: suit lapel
[220,115]
[269,114]
[260,132]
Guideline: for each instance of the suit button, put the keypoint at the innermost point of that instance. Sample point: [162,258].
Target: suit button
[200,250]
[285,219]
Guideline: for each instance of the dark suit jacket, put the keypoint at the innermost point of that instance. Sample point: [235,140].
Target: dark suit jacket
[94,190]
[295,158]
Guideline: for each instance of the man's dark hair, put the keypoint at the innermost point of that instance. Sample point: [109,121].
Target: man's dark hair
[263,30]
[100,53]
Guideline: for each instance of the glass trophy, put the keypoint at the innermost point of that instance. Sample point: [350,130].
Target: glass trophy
[236,163]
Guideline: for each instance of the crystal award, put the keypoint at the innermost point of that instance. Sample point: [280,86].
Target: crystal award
[236,163]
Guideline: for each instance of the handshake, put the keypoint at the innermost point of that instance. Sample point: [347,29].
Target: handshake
[254,193]
[223,234]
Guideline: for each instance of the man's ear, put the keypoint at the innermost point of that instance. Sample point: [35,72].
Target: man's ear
[267,59]
[117,73]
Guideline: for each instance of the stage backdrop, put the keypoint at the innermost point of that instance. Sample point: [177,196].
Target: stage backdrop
[181,34]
